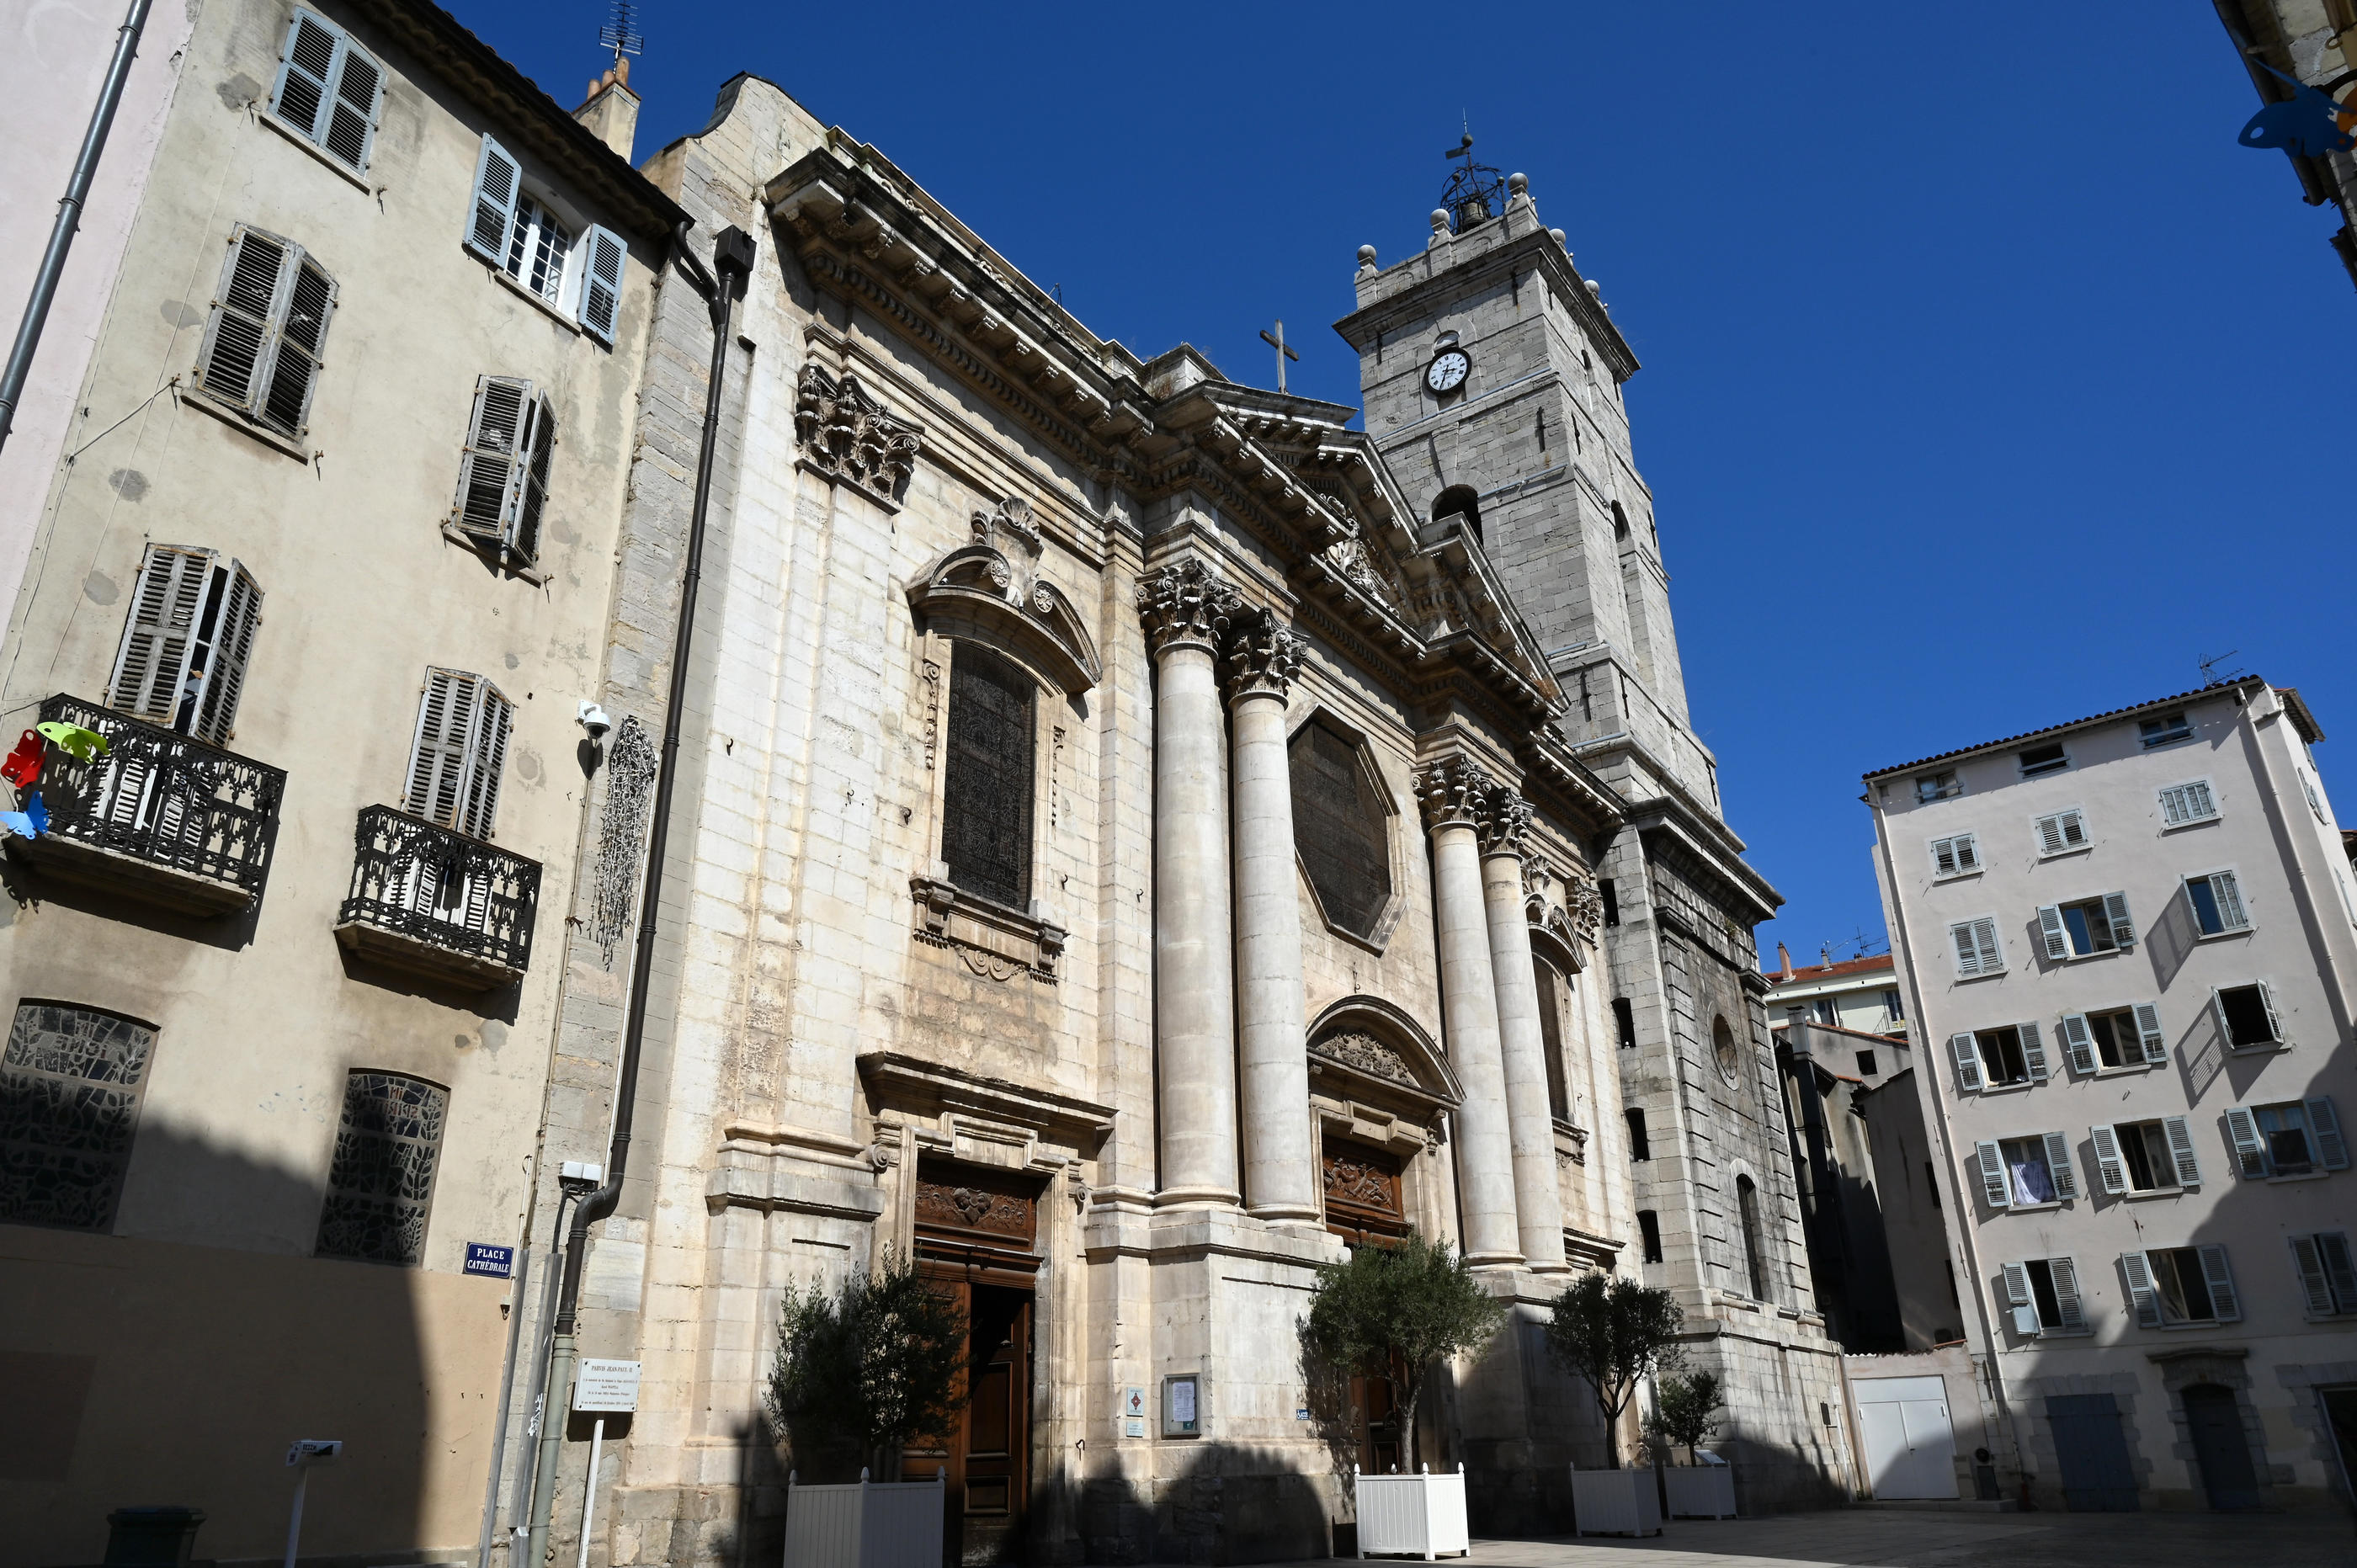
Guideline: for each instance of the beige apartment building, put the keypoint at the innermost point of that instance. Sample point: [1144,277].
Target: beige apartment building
[333,565]
[2128,942]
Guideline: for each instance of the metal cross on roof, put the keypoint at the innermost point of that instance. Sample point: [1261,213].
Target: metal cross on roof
[1283,353]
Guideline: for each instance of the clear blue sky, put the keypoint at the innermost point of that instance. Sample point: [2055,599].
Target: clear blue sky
[1987,382]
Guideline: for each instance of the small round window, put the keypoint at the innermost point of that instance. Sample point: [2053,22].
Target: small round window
[1722,1042]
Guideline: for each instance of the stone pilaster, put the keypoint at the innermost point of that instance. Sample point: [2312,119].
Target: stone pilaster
[1279,1162]
[1521,1041]
[1186,610]
[1454,793]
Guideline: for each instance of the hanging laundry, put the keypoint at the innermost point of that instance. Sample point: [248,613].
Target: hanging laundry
[23,768]
[85,744]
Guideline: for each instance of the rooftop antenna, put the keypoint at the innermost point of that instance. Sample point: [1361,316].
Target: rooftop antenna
[1475,192]
[620,34]
[2210,676]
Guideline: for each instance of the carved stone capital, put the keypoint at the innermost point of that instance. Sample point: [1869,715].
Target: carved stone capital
[1505,823]
[1454,792]
[1264,654]
[1186,603]
[843,432]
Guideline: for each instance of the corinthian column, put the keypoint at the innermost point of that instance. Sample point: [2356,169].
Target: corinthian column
[1186,610]
[1280,1168]
[1454,793]
[1521,1041]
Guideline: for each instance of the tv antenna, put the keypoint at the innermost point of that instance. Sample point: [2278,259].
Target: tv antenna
[2210,676]
[620,33]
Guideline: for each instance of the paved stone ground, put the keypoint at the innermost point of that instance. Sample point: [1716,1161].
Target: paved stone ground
[1864,1537]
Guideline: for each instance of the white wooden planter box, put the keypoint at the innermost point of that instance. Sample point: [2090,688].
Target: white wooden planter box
[864,1524]
[1616,1502]
[1412,1516]
[1701,1491]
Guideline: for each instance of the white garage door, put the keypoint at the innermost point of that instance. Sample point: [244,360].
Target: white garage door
[1910,1450]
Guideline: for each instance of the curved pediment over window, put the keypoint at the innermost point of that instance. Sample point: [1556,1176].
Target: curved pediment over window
[992,586]
[1378,1053]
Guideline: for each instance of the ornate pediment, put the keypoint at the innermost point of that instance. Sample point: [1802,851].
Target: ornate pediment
[994,587]
[1355,1047]
[1376,1052]
[845,434]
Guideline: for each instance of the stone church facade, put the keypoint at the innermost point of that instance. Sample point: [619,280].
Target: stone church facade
[1140,837]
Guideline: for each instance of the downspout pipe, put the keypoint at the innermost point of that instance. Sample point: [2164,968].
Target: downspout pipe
[732,259]
[53,260]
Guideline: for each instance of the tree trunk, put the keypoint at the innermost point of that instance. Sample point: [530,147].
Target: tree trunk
[1408,1422]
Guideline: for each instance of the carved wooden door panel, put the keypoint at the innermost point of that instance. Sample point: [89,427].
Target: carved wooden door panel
[998,1427]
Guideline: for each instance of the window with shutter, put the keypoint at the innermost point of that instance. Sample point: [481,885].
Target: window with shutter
[503,470]
[2042,1298]
[1956,856]
[2324,1126]
[2327,1276]
[2111,1170]
[1978,949]
[2141,1295]
[2183,803]
[262,348]
[2078,1042]
[1967,1051]
[456,759]
[539,249]
[1996,1186]
[540,444]
[987,795]
[2057,1166]
[2155,1044]
[2069,1316]
[601,283]
[2187,1284]
[2177,1133]
[2247,1016]
[498,183]
[2217,901]
[2086,927]
[182,663]
[2250,1152]
[2033,1053]
[2051,932]
[1339,827]
[303,332]
[342,121]
[2063,832]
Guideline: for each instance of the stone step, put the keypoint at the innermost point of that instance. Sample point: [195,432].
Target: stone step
[1944,1505]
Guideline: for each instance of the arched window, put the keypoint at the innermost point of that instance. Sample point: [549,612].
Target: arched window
[986,794]
[1747,1199]
[1620,522]
[1341,827]
[1551,989]
[1722,1046]
[1458,500]
[71,1081]
[380,1182]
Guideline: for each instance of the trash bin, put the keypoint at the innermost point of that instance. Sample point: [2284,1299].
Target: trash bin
[154,1537]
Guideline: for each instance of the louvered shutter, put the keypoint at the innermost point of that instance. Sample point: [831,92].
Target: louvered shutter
[2250,1149]
[2274,1020]
[152,664]
[603,255]
[1968,852]
[1969,952]
[349,133]
[303,333]
[2308,1257]
[2220,1281]
[2173,806]
[486,762]
[1992,952]
[232,644]
[2066,1294]
[2332,1246]
[304,72]
[2057,1166]
[2110,1169]
[2229,894]
[540,447]
[2324,1126]
[2033,1053]
[2115,912]
[2050,927]
[493,213]
[2147,1299]
[1944,857]
[2181,1150]
[2017,1284]
[2052,835]
[2199,802]
[2156,1045]
[438,756]
[1996,1185]
[233,364]
[1967,1051]
[491,469]
[2078,1042]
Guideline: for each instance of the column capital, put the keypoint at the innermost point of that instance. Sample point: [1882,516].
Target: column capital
[1264,654]
[1185,603]
[1453,792]
[1504,823]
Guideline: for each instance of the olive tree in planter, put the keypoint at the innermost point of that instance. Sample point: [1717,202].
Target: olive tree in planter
[1615,1333]
[1686,1413]
[1396,1313]
[861,1372]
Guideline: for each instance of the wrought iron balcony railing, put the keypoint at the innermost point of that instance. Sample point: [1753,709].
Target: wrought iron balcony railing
[437,903]
[155,816]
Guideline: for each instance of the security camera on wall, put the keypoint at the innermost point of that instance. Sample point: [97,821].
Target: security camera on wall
[592,717]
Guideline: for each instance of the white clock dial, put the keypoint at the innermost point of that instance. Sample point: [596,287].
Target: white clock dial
[1447,371]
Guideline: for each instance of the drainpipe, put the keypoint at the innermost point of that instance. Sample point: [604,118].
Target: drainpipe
[732,257]
[53,260]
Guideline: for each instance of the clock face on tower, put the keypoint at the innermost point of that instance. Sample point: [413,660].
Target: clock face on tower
[1446,372]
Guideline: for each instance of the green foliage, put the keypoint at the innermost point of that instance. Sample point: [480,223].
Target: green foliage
[1394,1312]
[1687,1409]
[1614,1332]
[861,1372]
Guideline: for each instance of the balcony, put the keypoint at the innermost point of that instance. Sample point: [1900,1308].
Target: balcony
[157,817]
[436,904]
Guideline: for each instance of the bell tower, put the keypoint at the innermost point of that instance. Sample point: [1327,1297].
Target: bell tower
[1492,374]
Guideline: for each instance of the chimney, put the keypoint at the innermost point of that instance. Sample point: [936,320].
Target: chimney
[1785,955]
[611,112]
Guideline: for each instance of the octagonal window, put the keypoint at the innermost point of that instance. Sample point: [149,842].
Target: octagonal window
[1341,825]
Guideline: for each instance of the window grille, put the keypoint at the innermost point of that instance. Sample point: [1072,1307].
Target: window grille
[70,1088]
[380,1182]
[986,797]
[1341,829]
